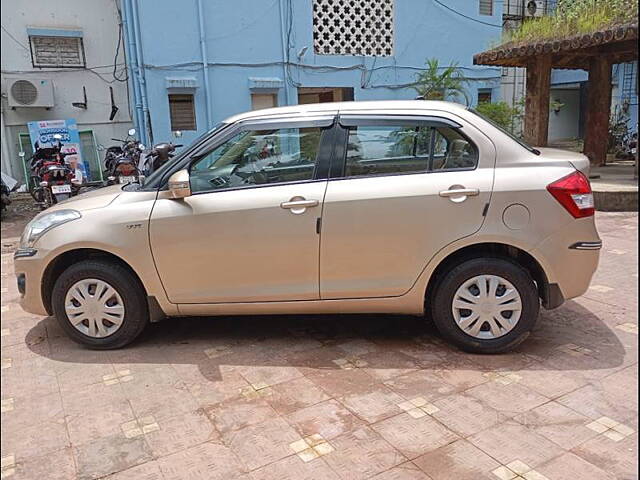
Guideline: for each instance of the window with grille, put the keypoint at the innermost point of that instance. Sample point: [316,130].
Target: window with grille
[486,7]
[484,95]
[57,51]
[629,80]
[182,112]
[353,27]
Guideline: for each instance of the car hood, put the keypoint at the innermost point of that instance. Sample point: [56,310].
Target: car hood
[578,160]
[98,198]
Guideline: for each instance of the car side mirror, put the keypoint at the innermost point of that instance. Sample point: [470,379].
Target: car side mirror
[179,184]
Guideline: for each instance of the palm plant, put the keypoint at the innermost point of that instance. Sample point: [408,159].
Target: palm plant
[440,83]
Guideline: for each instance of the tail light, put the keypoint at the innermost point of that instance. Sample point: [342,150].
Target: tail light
[574,193]
[125,169]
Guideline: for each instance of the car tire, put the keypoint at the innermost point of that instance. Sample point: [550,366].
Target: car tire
[446,291]
[129,292]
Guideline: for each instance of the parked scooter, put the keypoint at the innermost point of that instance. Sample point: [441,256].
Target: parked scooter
[52,180]
[631,145]
[121,163]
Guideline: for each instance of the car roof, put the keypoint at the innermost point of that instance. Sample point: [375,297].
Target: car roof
[379,106]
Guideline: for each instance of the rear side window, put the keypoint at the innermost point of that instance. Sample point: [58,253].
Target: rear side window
[389,150]
[452,151]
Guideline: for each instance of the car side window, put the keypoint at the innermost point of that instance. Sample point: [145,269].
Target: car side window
[389,150]
[452,151]
[258,157]
[380,150]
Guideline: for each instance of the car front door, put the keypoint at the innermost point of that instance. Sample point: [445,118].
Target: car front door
[248,232]
[407,188]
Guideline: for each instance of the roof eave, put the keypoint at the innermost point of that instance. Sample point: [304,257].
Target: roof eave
[619,41]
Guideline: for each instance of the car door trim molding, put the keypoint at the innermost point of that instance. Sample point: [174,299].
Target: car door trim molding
[352,120]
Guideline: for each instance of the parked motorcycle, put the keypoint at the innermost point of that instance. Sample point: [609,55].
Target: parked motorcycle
[122,162]
[52,180]
[160,154]
[4,196]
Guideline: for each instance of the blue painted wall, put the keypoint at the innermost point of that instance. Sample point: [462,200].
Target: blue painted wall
[244,39]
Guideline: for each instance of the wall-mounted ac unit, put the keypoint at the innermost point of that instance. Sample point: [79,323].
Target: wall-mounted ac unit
[534,8]
[30,92]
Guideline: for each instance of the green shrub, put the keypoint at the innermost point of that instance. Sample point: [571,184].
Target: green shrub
[438,82]
[501,113]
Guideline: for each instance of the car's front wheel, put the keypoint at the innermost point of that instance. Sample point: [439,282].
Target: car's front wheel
[100,304]
[486,305]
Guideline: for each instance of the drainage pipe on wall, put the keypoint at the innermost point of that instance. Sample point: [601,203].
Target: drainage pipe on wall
[132,65]
[147,136]
[205,64]
[284,53]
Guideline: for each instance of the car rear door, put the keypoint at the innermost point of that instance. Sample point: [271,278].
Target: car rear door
[401,189]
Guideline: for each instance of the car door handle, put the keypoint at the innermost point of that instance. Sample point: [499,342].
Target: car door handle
[300,204]
[460,192]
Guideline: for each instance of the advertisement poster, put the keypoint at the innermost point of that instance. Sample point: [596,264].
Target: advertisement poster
[42,132]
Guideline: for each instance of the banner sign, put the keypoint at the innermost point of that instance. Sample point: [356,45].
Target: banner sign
[42,132]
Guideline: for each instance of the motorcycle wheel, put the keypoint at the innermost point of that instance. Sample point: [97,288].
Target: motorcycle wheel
[60,197]
[35,189]
[38,194]
[48,199]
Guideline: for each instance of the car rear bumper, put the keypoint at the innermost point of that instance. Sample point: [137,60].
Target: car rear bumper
[571,257]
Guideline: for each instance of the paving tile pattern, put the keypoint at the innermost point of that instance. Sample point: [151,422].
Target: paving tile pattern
[330,397]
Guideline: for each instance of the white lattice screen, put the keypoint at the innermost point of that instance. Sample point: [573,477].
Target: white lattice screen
[353,27]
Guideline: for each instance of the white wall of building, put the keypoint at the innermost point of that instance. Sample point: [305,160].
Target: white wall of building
[564,124]
[513,85]
[99,22]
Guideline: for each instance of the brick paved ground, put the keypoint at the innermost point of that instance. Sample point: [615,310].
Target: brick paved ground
[330,397]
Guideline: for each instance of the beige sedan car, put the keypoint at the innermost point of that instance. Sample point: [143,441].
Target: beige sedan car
[404,207]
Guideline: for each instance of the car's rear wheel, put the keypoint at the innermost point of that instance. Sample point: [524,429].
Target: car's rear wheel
[487,305]
[100,304]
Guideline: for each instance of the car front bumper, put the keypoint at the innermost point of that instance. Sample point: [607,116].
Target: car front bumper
[29,270]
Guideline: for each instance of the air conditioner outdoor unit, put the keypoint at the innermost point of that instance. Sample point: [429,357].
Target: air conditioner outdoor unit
[31,92]
[534,8]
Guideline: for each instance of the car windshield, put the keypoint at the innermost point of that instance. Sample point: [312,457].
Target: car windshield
[513,137]
[154,181]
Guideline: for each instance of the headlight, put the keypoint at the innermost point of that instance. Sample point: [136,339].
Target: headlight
[42,224]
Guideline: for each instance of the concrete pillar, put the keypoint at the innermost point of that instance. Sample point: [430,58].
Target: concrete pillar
[596,135]
[536,110]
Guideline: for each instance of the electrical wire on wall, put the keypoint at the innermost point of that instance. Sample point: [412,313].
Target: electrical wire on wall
[15,39]
[290,43]
[196,66]
[114,74]
[466,16]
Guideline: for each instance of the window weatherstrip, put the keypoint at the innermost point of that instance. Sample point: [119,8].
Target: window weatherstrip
[347,120]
